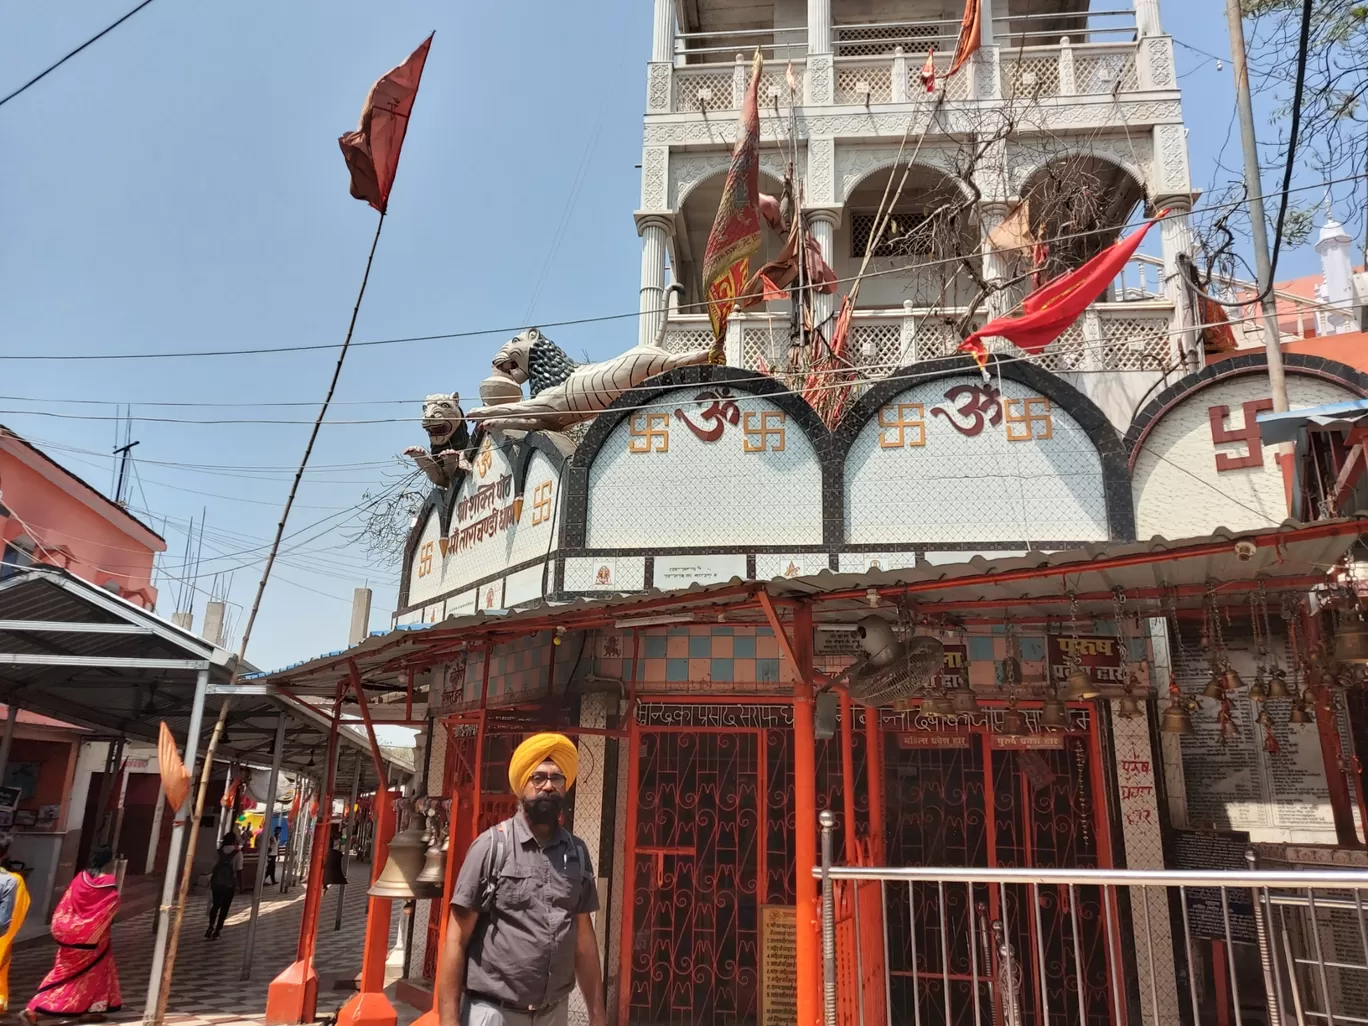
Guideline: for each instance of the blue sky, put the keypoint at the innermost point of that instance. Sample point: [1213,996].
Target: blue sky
[178,186]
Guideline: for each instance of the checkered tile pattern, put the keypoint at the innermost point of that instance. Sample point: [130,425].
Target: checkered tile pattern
[206,990]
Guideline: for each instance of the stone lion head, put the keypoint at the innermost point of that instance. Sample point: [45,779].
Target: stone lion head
[442,417]
[533,359]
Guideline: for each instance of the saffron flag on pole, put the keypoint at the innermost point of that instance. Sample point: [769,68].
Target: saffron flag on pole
[735,232]
[1058,303]
[372,151]
[971,34]
[928,71]
[175,777]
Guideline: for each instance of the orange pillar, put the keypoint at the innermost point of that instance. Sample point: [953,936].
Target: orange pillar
[809,948]
[874,782]
[293,995]
[370,1006]
[848,777]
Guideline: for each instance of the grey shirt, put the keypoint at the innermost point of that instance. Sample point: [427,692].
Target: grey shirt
[523,953]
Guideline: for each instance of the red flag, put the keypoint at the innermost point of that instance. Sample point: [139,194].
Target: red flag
[735,232]
[372,151]
[928,71]
[1056,305]
[970,35]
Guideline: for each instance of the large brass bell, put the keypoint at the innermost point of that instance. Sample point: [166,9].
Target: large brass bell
[963,701]
[1351,642]
[432,880]
[1129,707]
[1078,686]
[1054,713]
[1277,685]
[1177,720]
[1013,722]
[1215,687]
[1233,682]
[403,866]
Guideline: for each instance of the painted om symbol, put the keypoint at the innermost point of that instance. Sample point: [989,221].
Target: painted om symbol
[721,411]
[977,404]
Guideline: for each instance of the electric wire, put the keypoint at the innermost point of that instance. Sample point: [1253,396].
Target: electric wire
[601,318]
[57,64]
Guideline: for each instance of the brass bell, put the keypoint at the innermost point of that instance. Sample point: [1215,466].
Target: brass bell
[1078,686]
[1129,707]
[1351,642]
[1054,713]
[1232,679]
[1215,687]
[1177,720]
[1299,714]
[1277,685]
[963,701]
[1013,722]
[1257,691]
[402,867]
[1264,719]
[432,880]
[935,706]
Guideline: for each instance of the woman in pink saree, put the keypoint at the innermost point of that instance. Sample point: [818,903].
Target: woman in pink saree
[84,980]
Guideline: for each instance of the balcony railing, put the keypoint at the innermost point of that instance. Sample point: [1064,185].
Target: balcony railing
[1092,69]
[1017,946]
[1127,336]
[717,87]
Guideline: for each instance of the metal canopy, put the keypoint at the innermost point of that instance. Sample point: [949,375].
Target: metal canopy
[1292,558]
[78,653]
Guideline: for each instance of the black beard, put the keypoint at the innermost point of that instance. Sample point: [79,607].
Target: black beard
[544,810]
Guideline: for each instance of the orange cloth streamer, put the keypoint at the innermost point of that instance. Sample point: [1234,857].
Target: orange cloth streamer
[175,777]
[535,751]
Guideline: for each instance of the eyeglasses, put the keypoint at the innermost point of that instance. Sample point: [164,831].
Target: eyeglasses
[540,780]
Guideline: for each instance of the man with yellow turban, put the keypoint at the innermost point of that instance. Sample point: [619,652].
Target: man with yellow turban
[520,933]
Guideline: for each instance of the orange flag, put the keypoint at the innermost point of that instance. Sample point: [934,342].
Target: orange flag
[970,34]
[372,151]
[175,777]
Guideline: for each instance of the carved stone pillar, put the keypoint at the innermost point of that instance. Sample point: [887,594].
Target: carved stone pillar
[991,215]
[819,77]
[823,224]
[662,38]
[1146,18]
[655,238]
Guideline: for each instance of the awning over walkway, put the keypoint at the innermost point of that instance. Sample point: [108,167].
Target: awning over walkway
[77,653]
[1286,427]
[1294,558]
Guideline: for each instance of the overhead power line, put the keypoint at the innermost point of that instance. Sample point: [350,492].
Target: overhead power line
[577,321]
[57,64]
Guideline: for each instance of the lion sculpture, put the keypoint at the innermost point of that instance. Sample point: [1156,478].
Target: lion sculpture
[449,437]
[563,392]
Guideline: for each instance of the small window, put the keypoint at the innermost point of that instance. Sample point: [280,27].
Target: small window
[17,554]
[906,234]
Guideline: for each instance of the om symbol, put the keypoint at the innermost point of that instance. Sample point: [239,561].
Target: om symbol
[720,412]
[977,404]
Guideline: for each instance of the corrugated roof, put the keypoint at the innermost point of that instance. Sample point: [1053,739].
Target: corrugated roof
[1291,557]
[1284,427]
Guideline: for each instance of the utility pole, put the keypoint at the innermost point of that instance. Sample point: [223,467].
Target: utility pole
[1258,222]
[123,451]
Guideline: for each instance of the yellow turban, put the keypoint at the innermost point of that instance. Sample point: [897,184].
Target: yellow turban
[535,751]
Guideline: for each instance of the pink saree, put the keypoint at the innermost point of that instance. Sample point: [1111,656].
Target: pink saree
[84,978]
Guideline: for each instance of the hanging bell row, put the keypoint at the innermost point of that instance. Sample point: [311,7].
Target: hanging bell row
[409,867]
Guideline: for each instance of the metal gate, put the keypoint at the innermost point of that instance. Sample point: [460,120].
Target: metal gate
[694,950]
[985,952]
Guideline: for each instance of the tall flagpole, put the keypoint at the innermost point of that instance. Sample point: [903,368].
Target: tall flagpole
[164,988]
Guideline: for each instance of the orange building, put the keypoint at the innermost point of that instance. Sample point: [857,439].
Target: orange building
[49,515]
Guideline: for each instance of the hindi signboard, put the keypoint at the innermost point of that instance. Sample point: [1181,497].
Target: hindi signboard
[778,965]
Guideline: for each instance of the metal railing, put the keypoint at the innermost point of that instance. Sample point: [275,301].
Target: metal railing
[1031,947]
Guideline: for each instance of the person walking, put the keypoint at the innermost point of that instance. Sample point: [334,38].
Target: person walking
[14,906]
[224,881]
[84,980]
[520,932]
[272,851]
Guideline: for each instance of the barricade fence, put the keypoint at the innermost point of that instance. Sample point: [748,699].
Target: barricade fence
[948,946]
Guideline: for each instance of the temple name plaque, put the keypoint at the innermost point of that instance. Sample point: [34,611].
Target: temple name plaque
[778,965]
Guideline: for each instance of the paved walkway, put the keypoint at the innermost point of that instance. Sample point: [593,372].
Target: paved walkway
[207,987]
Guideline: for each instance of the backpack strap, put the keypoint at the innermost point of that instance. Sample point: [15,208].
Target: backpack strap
[489,873]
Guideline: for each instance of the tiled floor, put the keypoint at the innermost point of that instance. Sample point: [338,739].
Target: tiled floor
[207,987]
